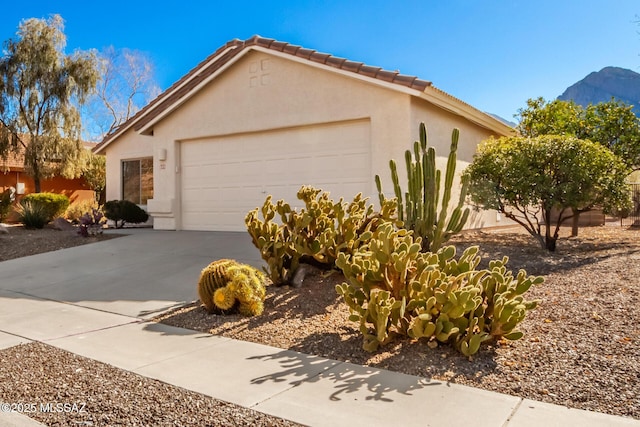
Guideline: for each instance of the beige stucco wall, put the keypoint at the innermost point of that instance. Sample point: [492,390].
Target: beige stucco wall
[129,147]
[440,124]
[263,91]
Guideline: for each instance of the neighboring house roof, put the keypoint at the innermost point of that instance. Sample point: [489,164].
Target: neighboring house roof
[15,161]
[12,163]
[190,83]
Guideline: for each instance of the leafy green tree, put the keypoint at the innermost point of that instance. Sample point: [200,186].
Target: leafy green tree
[550,118]
[612,124]
[95,174]
[525,178]
[39,88]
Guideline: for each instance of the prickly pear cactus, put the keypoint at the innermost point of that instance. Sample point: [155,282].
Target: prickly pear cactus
[271,239]
[394,289]
[226,284]
[316,233]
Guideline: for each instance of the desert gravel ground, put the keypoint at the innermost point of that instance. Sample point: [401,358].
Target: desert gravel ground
[83,392]
[20,242]
[581,346]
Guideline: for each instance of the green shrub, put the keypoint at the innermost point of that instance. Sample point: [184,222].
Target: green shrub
[316,234]
[395,289]
[76,210]
[33,214]
[124,211]
[6,200]
[53,204]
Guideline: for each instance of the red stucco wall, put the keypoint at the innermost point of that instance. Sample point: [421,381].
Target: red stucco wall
[76,190]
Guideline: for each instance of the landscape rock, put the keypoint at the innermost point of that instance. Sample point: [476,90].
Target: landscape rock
[63,225]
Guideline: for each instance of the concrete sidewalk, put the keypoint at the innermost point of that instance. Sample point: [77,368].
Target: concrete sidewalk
[91,301]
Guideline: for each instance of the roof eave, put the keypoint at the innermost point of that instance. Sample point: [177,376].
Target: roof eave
[430,93]
[343,72]
[288,56]
[460,108]
[146,127]
[372,75]
[158,101]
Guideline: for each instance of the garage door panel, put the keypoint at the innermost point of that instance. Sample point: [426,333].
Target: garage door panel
[191,174]
[191,195]
[225,177]
[209,173]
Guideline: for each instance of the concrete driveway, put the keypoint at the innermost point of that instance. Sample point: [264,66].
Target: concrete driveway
[138,275]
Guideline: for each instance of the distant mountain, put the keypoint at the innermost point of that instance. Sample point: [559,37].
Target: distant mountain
[601,86]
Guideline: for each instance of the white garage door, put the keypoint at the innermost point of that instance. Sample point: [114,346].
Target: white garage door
[223,178]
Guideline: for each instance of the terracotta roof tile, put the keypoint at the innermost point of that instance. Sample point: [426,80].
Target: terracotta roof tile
[276,45]
[385,75]
[334,61]
[224,54]
[259,41]
[403,79]
[352,66]
[368,70]
[319,57]
[14,162]
[291,49]
[304,52]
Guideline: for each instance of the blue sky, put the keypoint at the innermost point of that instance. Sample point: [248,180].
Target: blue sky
[492,54]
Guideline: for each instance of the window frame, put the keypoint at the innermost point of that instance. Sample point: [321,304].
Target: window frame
[141,192]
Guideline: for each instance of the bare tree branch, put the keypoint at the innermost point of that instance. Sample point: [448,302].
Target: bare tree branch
[127,84]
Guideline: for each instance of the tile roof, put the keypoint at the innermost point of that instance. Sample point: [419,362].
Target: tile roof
[15,161]
[224,54]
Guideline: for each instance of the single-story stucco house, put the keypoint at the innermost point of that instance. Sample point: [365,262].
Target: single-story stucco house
[262,117]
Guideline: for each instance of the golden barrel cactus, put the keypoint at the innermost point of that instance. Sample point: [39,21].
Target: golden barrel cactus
[226,285]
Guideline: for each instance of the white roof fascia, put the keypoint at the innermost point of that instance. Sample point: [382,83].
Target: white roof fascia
[458,107]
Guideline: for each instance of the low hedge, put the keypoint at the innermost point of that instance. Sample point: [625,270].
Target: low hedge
[53,204]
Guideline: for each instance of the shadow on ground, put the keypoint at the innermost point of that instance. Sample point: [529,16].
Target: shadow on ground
[347,378]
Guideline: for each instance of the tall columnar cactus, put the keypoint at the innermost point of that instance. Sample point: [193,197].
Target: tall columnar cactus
[226,284]
[419,207]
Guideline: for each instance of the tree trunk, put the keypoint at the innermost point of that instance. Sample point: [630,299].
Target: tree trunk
[574,222]
[100,196]
[36,181]
[550,243]
[549,240]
